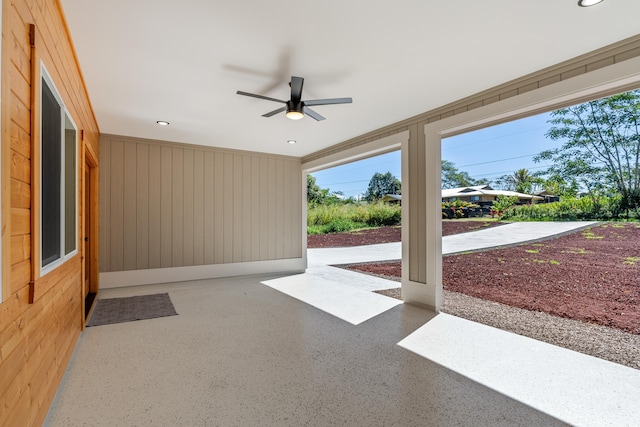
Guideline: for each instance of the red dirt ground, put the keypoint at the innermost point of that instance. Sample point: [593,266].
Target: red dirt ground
[387,234]
[592,275]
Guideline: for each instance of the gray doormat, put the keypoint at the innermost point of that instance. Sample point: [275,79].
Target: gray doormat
[119,310]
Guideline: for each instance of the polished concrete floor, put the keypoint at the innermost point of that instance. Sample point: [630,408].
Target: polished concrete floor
[241,353]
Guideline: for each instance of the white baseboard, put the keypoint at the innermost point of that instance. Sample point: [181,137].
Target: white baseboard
[120,279]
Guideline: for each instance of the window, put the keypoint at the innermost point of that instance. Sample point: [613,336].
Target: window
[58,178]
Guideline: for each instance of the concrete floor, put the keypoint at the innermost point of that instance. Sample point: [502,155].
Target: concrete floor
[241,353]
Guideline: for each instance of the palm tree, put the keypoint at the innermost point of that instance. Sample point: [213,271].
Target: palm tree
[522,180]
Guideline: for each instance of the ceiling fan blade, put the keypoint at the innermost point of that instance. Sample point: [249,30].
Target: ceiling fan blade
[328,101]
[309,112]
[296,89]
[274,112]
[253,95]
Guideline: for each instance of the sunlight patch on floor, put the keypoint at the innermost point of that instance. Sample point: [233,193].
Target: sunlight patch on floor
[345,302]
[571,386]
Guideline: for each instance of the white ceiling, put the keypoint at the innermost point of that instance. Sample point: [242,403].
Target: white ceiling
[182,61]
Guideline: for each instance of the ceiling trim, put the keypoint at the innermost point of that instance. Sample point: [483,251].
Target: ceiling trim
[613,54]
[106,138]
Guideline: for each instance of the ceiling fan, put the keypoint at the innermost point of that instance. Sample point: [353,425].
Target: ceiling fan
[296,108]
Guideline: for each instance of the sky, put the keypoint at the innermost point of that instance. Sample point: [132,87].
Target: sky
[485,153]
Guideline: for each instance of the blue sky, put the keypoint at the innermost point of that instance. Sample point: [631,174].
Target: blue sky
[485,153]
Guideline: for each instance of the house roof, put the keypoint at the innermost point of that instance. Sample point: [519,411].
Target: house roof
[484,190]
[472,191]
[183,61]
[392,197]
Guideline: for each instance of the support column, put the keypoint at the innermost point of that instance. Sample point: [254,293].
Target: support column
[421,219]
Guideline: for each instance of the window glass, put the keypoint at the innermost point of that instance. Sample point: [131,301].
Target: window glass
[51,174]
[70,186]
[58,214]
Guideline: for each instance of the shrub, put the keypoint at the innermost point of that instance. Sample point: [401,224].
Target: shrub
[457,208]
[573,209]
[501,204]
[338,218]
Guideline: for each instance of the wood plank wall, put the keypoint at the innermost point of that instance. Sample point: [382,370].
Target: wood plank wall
[36,340]
[175,205]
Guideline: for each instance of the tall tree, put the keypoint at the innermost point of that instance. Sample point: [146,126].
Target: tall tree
[454,178]
[558,186]
[380,185]
[317,195]
[601,145]
[521,181]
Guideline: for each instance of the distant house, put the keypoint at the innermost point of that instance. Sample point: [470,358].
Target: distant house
[548,198]
[485,195]
[479,194]
[392,198]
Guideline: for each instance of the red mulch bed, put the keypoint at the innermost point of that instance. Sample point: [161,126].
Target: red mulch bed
[592,275]
[388,234]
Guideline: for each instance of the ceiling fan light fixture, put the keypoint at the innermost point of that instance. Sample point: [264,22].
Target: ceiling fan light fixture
[294,115]
[587,3]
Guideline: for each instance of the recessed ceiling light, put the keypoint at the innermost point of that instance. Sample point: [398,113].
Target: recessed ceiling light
[587,3]
[291,141]
[162,123]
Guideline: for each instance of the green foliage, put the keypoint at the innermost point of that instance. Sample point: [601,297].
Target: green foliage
[631,260]
[521,181]
[457,206]
[335,218]
[380,185]
[453,178]
[558,186]
[572,209]
[501,204]
[590,235]
[601,146]
[317,195]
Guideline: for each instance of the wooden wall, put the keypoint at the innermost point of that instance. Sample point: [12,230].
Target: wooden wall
[36,340]
[175,205]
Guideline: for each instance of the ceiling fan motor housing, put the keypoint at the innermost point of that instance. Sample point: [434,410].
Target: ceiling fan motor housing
[291,106]
[295,107]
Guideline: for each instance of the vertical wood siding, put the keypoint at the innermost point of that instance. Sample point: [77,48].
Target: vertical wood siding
[175,205]
[36,340]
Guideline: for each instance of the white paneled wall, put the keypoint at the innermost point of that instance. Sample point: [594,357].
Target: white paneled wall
[174,205]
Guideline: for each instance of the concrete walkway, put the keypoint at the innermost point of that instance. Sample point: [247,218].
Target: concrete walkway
[504,235]
[321,259]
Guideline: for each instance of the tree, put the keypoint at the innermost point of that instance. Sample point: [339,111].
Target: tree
[454,178]
[601,146]
[522,181]
[557,186]
[380,185]
[317,195]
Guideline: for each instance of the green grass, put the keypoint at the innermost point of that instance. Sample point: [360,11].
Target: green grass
[588,234]
[631,260]
[532,251]
[335,218]
[577,251]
